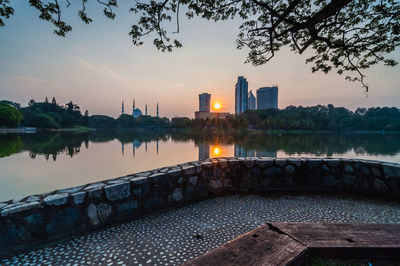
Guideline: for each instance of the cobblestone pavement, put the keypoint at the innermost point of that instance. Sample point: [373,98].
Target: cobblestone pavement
[175,236]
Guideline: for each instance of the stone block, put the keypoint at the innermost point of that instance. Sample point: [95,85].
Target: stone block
[349,179]
[199,168]
[233,162]
[380,186]
[154,201]
[256,172]
[391,171]
[56,199]
[69,190]
[280,162]
[145,174]
[362,169]
[334,163]
[215,184]
[190,192]
[137,192]
[15,234]
[314,164]
[116,181]
[118,191]
[222,163]
[325,168]
[375,172]
[98,213]
[249,163]
[78,197]
[35,219]
[193,180]
[289,169]
[177,195]
[265,181]
[139,180]
[175,172]
[294,161]
[264,162]
[94,186]
[19,207]
[95,193]
[127,209]
[207,164]
[189,170]
[272,172]
[158,177]
[32,199]
[348,169]
[63,221]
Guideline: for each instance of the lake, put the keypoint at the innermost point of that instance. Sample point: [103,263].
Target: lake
[41,162]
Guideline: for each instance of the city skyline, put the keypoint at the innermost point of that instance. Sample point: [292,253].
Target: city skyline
[83,68]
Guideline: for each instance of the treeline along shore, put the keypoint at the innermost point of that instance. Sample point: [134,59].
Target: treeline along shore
[52,115]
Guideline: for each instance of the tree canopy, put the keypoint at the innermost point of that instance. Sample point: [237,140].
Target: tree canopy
[348,36]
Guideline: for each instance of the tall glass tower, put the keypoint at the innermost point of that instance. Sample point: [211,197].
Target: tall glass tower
[241,93]
[204,102]
[267,98]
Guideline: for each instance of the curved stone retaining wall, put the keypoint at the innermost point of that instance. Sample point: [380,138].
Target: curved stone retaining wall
[41,218]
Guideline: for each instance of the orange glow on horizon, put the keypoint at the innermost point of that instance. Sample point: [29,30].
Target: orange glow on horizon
[217,106]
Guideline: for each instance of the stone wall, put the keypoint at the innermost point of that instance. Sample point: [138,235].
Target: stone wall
[42,218]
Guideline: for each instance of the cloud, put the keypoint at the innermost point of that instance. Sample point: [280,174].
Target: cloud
[102,69]
[31,79]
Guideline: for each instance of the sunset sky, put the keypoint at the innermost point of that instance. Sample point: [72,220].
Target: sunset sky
[96,66]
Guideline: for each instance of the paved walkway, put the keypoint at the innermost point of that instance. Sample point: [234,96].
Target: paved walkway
[179,235]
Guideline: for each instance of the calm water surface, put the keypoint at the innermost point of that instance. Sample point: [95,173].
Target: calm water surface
[41,162]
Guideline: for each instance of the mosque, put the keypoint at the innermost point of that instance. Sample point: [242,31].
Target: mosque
[136,112]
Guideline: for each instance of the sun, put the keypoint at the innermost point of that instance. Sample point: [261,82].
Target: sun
[217,106]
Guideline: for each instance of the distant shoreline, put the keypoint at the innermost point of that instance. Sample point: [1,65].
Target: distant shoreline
[31,130]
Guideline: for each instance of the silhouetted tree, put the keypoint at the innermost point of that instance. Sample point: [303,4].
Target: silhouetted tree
[31,102]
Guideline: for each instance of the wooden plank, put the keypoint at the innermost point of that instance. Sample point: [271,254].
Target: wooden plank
[372,241]
[343,235]
[261,246]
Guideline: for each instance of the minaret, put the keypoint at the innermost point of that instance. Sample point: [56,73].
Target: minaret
[146,109]
[122,107]
[133,105]
[157,146]
[157,110]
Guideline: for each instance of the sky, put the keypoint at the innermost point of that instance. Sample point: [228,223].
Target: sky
[98,67]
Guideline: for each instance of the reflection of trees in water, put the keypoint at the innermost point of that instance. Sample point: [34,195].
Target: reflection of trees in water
[10,144]
[317,144]
[52,144]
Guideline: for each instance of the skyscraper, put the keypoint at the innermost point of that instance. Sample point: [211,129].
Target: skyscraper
[267,97]
[204,102]
[251,101]
[241,92]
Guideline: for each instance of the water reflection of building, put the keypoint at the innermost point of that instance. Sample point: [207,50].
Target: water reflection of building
[266,153]
[241,151]
[204,151]
[135,145]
